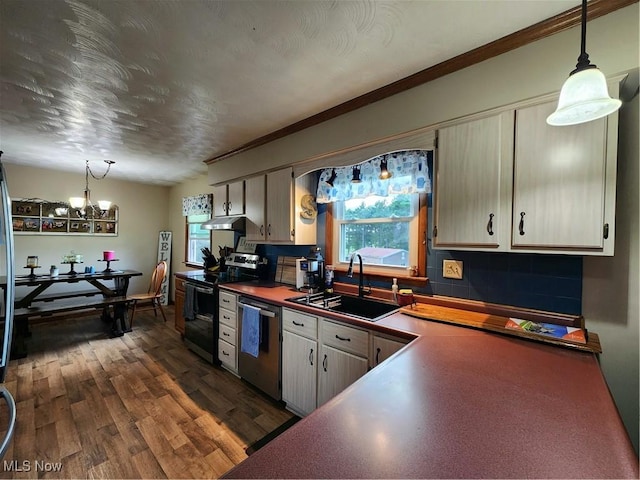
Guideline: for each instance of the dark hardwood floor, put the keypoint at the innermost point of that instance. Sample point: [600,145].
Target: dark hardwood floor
[137,406]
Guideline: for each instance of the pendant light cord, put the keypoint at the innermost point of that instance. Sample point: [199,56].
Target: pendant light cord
[583,59]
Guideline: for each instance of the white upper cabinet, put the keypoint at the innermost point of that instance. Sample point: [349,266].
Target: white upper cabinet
[510,182]
[275,202]
[564,184]
[228,199]
[473,169]
[255,198]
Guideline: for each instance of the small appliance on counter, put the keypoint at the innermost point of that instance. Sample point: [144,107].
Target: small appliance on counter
[310,272]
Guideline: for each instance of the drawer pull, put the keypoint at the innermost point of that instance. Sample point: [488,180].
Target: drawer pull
[225,353]
[225,334]
[225,300]
[343,339]
[226,317]
[298,324]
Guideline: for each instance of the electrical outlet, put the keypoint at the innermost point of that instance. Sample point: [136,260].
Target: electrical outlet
[452,269]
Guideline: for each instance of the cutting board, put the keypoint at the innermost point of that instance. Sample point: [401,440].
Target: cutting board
[286,270]
[493,323]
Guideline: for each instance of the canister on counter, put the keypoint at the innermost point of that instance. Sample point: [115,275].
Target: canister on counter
[328,278]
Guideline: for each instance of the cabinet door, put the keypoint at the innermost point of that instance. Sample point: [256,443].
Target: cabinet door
[220,201]
[337,370]
[299,372]
[559,182]
[235,198]
[280,206]
[255,208]
[473,184]
[383,348]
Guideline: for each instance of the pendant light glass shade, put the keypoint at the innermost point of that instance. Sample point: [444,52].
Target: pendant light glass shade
[584,97]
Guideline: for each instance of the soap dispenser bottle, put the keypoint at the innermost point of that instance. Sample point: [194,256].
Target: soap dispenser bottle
[394,290]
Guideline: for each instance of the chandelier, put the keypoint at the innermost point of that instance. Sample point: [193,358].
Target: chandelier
[83,204]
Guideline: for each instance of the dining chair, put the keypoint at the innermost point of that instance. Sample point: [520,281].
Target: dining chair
[153,298]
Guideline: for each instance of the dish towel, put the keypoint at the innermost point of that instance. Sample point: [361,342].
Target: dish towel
[250,341]
[190,307]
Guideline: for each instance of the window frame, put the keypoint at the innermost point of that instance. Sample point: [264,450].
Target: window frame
[332,233]
[188,262]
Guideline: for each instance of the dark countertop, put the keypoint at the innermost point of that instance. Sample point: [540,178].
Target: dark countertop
[455,403]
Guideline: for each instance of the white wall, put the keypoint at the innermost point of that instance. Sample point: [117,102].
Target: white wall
[611,289]
[143,213]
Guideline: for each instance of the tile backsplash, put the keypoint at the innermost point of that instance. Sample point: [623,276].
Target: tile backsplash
[543,282]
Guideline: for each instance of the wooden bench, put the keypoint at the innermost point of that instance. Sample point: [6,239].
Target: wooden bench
[44,307]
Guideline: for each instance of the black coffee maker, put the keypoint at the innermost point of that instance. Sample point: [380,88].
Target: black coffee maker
[315,279]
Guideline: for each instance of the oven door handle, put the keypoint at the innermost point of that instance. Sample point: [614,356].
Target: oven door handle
[263,312]
[207,291]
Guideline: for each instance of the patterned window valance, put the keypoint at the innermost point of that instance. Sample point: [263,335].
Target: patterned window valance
[409,175]
[197,204]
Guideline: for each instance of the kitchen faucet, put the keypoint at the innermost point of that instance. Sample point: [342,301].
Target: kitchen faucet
[361,292]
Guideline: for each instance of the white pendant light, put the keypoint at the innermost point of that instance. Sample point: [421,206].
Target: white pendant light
[584,95]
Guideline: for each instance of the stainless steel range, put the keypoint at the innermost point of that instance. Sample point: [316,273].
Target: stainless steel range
[201,302]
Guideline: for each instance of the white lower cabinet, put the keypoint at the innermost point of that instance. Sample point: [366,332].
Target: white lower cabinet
[322,357]
[227,331]
[343,358]
[337,371]
[383,348]
[299,361]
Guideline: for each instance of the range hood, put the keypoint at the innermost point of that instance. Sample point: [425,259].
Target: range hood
[225,223]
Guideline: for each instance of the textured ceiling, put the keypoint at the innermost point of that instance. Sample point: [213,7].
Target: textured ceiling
[160,86]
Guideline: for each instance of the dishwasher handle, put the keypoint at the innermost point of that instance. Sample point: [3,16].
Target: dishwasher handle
[263,311]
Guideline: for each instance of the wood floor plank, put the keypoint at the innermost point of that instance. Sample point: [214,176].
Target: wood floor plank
[146,463]
[125,424]
[67,437]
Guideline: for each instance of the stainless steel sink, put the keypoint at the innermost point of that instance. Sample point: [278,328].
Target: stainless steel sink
[358,307]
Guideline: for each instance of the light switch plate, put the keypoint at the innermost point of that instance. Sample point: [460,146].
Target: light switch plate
[452,269]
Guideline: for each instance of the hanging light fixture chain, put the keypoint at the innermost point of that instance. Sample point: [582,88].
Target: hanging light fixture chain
[108,162]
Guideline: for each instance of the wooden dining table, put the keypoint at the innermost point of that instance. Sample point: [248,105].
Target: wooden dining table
[108,291]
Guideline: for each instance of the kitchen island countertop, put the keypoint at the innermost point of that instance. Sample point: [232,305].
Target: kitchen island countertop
[455,403]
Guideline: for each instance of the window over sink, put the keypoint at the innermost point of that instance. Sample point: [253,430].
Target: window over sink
[382,219]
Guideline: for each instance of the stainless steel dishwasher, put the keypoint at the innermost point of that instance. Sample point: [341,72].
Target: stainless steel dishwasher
[264,370]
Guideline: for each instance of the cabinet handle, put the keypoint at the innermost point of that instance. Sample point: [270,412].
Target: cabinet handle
[521,224]
[324,363]
[605,231]
[261,230]
[229,207]
[435,231]
[225,353]
[490,224]
[377,355]
[225,334]
[224,207]
[269,229]
[225,300]
[343,339]
[311,357]
[298,324]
